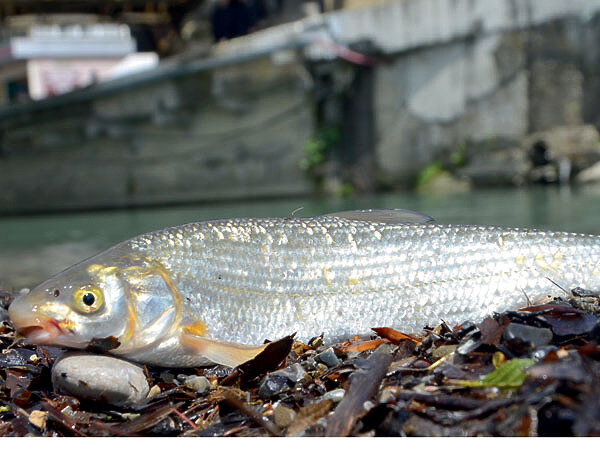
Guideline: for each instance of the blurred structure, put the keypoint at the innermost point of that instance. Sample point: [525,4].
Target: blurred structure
[55,59]
[371,95]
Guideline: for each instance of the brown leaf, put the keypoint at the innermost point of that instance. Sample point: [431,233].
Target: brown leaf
[564,320]
[393,335]
[491,331]
[365,345]
[308,415]
[268,360]
[38,418]
[364,383]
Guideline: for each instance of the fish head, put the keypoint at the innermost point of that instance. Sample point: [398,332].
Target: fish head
[126,299]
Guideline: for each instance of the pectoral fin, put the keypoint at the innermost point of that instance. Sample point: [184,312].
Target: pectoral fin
[219,351]
[389,216]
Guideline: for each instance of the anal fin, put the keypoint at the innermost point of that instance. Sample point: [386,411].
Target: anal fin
[219,351]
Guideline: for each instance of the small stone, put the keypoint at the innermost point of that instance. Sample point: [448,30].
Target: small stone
[295,373]
[100,378]
[38,418]
[470,342]
[521,336]
[321,367]
[334,395]
[167,377]
[542,352]
[329,358]
[273,385]
[387,394]
[199,384]
[283,416]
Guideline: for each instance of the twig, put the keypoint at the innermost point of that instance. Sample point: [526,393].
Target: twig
[364,383]
[187,420]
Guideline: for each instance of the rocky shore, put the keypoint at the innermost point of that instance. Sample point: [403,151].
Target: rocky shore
[560,155]
[531,372]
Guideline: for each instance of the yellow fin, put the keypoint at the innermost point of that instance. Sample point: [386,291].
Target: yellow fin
[198,328]
[222,352]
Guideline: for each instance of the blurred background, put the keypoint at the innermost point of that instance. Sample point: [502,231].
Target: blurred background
[118,117]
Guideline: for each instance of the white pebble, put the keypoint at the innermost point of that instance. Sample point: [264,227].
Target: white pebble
[100,378]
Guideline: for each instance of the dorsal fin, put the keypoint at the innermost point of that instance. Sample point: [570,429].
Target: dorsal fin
[388,216]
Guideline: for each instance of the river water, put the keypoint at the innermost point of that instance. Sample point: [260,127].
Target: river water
[32,248]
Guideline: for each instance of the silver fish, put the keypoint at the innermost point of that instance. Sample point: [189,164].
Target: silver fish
[212,292]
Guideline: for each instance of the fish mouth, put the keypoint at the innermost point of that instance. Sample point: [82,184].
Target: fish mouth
[36,335]
[48,332]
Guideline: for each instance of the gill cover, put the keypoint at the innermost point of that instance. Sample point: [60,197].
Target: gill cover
[112,295]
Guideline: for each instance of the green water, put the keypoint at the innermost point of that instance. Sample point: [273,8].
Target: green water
[32,248]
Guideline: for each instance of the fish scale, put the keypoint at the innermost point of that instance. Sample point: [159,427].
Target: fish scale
[255,279]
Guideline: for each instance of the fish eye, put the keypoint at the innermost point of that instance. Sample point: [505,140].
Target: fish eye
[88,298]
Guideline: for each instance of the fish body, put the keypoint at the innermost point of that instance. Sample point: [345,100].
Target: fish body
[214,291]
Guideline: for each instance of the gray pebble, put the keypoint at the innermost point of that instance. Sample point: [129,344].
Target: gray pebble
[283,416]
[529,336]
[100,378]
[295,373]
[272,385]
[329,358]
[199,384]
[334,395]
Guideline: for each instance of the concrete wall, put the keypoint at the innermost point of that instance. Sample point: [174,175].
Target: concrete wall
[485,93]
[450,74]
[230,132]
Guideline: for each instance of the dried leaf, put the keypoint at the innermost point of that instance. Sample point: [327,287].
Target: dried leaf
[491,331]
[571,324]
[308,415]
[38,418]
[564,320]
[365,345]
[393,335]
[510,374]
[268,360]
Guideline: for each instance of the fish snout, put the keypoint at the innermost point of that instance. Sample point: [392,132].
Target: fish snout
[29,322]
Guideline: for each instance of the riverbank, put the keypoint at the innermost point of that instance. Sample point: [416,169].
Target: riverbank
[532,372]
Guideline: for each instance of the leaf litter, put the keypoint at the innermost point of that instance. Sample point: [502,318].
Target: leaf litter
[528,372]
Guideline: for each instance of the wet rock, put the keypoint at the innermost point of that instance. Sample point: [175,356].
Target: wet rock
[589,175]
[199,384]
[445,183]
[580,144]
[521,338]
[334,395]
[15,358]
[470,342]
[100,378]
[283,416]
[166,428]
[329,358]
[295,373]
[542,352]
[508,166]
[272,385]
